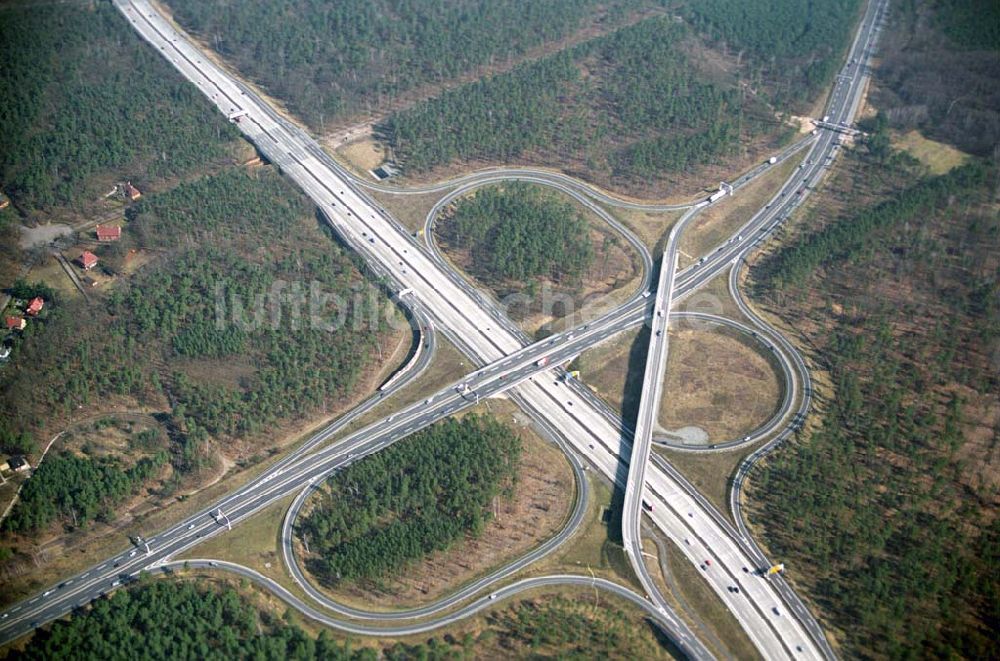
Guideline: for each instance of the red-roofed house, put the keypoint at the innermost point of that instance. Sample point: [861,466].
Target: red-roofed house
[87,260]
[16,323]
[131,192]
[109,232]
[35,306]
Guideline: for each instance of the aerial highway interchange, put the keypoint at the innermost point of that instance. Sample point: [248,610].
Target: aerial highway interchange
[442,300]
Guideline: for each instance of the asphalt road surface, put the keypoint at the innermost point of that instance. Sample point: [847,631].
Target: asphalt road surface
[772,616]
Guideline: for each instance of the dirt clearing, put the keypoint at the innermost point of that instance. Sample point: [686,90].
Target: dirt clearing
[409,209]
[937,156]
[650,226]
[605,368]
[363,155]
[719,382]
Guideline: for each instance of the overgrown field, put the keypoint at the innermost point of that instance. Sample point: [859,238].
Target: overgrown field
[85,103]
[78,488]
[887,512]
[328,60]
[623,93]
[172,619]
[224,333]
[416,497]
[791,47]
[939,72]
[628,105]
[544,257]
[520,232]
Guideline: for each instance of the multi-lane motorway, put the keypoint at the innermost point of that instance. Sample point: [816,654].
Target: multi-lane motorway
[773,618]
[481,332]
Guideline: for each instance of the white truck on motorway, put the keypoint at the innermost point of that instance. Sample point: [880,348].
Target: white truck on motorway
[772,160]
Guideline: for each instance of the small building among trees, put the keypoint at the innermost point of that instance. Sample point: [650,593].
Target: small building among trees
[18,464]
[35,306]
[87,260]
[108,232]
[131,192]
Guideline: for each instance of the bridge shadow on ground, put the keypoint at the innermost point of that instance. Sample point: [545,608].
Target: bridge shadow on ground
[631,396]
